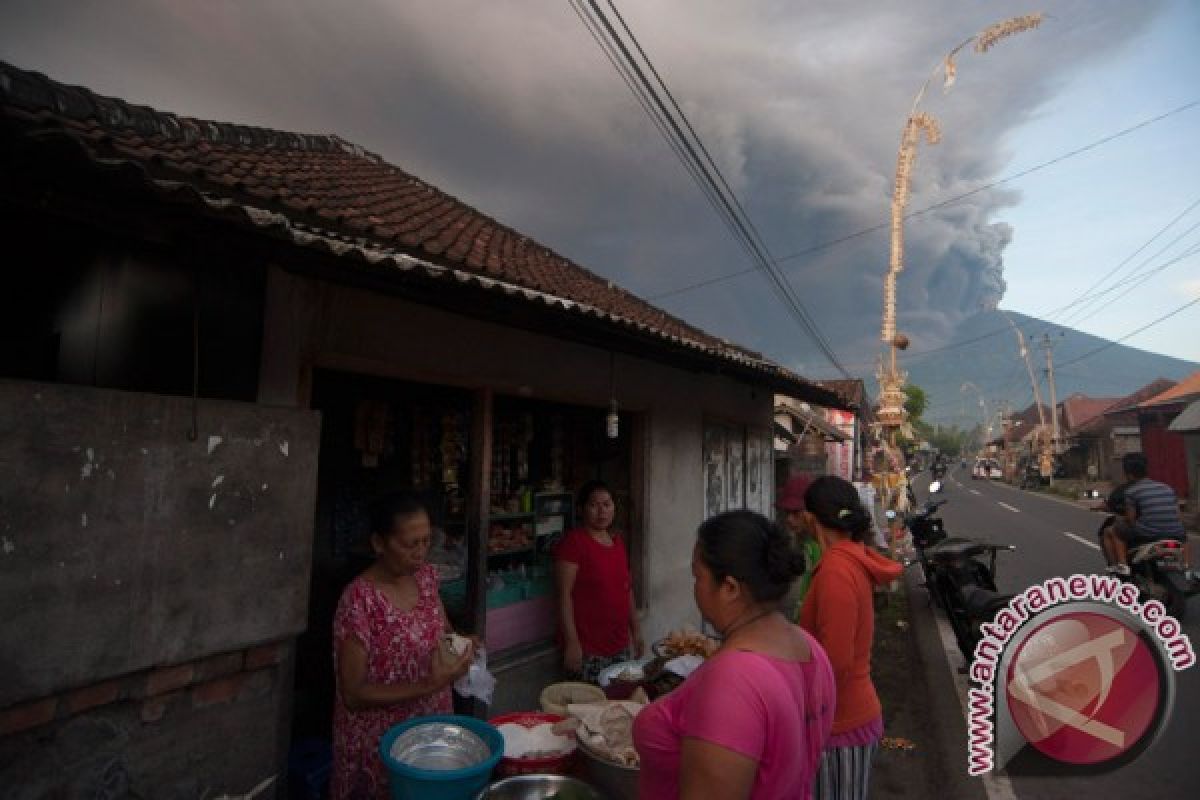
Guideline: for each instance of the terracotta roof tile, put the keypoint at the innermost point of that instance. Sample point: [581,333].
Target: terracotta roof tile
[1187,389]
[1079,409]
[327,181]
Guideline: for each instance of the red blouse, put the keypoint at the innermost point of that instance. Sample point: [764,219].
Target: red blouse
[601,593]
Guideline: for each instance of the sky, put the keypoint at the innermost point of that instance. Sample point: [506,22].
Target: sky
[510,106]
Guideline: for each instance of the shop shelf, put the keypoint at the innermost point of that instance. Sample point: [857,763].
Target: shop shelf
[508,517]
[514,551]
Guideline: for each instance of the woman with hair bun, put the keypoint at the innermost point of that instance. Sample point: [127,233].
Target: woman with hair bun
[839,611]
[752,721]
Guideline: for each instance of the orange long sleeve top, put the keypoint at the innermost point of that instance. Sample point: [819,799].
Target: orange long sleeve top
[838,610]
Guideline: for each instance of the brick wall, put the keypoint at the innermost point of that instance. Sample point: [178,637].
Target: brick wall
[202,728]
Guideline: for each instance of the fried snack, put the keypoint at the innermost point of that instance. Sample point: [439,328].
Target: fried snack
[688,643]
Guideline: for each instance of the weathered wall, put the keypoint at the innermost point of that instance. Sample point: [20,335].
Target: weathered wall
[123,545]
[316,325]
[206,728]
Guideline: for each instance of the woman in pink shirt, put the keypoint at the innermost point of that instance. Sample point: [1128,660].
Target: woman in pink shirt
[752,721]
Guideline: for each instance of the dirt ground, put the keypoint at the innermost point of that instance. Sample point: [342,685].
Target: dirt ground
[907,764]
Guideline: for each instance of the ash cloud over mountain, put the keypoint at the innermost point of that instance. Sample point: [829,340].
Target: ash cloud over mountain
[512,107]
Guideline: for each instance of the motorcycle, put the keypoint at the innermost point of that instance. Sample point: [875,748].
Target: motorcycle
[960,581]
[1159,572]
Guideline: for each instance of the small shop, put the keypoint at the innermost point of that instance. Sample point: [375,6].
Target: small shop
[382,435]
[308,352]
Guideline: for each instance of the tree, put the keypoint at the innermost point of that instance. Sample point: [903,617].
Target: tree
[916,403]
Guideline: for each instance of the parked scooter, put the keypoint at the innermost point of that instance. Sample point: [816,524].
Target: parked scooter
[959,580]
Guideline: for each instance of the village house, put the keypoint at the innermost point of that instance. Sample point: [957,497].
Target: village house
[1187,424]
[1105,438]
[1074,413]
[1165,449]
[220,343]
[849,457]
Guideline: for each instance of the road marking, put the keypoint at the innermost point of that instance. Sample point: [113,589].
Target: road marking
[1006,505]
[1081,540]
[973,491]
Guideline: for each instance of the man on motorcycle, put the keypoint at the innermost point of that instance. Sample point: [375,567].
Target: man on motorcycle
[1145,511]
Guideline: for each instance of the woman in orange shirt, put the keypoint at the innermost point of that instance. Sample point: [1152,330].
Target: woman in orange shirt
[839,611]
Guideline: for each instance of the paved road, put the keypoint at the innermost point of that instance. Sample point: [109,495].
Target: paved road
[1057,538]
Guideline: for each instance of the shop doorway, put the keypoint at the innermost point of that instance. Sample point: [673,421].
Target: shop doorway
[382,435]
[378,436]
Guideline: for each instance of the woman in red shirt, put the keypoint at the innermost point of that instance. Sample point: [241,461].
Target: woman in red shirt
[839,611]
[595,593]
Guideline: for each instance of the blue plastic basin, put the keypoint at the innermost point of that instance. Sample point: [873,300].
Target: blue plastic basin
[412,783]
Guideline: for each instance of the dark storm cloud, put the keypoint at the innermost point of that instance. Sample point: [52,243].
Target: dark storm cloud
[510,106]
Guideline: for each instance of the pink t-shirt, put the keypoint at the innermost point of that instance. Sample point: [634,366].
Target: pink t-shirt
[774,711]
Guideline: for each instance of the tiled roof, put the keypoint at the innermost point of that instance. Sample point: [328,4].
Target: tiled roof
[854,391]
[333,195]
[1125,405]
[1079,409]
[1179,394]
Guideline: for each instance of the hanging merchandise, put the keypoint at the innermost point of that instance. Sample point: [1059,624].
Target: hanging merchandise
[420,453]
[556,453]
[372,429]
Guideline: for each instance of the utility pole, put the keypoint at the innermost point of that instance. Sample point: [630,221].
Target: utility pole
[1049,347]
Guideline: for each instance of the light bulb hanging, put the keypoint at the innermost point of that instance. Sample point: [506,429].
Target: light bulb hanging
[612,422]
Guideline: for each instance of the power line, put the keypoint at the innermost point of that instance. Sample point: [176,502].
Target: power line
[1137,278]
[769,261]
[1147,326]
[1127,259]
[640,95]
[949,201]
[703,169]
[1134,280]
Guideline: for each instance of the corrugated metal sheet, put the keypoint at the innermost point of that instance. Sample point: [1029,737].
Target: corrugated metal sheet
[1166,456]
[1188,421]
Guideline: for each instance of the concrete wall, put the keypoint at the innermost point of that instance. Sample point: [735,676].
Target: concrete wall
[317,325]
[126,549]
[206,728]
[125,545]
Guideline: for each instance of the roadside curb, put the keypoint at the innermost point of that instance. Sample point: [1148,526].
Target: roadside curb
[928,700]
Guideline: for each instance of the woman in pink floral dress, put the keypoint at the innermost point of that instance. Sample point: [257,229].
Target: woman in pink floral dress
[387,656]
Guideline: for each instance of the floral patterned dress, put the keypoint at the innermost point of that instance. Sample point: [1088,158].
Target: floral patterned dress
[400,647]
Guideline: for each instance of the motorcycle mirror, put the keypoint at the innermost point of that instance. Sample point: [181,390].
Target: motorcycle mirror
[935,487]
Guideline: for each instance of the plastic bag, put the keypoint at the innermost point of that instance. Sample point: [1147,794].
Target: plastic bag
[478,682]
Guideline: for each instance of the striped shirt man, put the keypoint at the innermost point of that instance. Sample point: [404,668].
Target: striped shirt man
[1156,508]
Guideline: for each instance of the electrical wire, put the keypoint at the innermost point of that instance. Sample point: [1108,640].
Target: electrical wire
[1132,333]
[1088,292]
[700,166]
[942,204]
[1133,281]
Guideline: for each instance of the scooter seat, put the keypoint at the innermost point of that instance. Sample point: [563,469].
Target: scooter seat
[956,549]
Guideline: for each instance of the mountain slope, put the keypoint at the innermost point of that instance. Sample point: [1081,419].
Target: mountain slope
[983,352]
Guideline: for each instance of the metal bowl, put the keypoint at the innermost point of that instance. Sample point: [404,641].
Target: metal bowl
[539,787]
[440,746]
[606,675]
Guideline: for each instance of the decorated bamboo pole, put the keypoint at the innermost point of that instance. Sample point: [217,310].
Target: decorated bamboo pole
[892,416]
